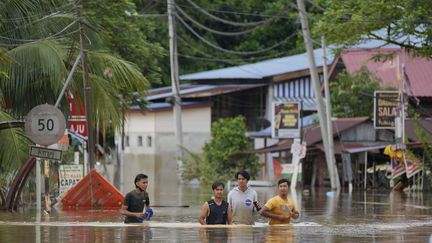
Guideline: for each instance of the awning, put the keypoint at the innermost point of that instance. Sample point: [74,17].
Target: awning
[200,90]
[351,148]
[308,103]
[284,145]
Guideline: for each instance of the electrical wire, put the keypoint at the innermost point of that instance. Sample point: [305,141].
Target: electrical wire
[224,20]
[222,32]
[242,61]
[236,12]
[22,26]
[221,60]
[316,6]
[45,38]
[230,51]
[38,14]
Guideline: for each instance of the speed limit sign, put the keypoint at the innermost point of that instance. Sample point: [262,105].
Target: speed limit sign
[45,124]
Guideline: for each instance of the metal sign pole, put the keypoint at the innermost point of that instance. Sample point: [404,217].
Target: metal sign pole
[47,190]
[38,186]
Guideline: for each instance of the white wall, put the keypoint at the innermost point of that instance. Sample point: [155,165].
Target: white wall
[193,120]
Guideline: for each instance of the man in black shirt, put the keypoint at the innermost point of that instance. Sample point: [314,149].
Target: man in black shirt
[137,202]
[216,211]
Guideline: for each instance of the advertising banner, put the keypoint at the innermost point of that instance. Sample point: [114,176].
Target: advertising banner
[69,176]
[286,120]
[385,107]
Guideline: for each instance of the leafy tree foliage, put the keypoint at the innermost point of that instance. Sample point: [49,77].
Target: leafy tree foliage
[131,36]
[38,46]
[348,93]
[221,159]
[272,23]
[406,23]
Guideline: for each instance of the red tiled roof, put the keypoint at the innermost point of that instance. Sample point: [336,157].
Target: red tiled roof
[418,69]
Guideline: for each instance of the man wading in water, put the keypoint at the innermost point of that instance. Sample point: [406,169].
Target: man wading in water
[136,201]
[280,209]
[241,200]
[216,211]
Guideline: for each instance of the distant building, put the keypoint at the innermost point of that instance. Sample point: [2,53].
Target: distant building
[385,64]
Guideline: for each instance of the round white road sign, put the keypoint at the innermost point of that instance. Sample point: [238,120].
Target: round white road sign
[45,124]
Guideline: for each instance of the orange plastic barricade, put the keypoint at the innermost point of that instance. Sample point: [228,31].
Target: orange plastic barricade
[93,192]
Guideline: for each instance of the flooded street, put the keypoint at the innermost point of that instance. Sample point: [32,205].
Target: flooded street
[325,217]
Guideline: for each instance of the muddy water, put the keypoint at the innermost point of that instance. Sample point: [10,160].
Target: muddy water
[325,217]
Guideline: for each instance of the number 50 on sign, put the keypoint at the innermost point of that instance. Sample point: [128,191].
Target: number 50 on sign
[45,124]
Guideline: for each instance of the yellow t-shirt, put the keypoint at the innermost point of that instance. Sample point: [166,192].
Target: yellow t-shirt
[280,206]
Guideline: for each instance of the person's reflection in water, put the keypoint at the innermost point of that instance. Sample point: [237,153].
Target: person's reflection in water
[215,235]
[280,233]
[136,234]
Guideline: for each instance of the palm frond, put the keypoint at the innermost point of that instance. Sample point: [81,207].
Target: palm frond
[121,73]
[13,146]
[36,76]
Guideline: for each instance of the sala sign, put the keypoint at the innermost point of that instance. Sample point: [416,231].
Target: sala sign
[385,106]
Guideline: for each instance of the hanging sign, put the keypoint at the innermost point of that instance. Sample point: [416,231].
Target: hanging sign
[385,109]
[286,120]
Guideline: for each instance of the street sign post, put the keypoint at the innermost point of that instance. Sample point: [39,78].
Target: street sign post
[45,124]
[45,153]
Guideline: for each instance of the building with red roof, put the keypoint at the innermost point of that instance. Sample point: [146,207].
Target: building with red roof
[386,64]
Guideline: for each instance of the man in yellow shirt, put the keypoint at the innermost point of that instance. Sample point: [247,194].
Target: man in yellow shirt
[280,209]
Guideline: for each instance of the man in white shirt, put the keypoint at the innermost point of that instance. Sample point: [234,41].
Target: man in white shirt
[241,200]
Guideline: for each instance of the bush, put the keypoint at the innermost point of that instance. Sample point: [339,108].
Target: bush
[222,156]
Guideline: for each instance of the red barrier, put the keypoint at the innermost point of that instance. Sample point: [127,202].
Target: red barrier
[93,192]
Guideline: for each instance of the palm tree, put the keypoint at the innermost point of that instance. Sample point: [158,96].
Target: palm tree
[39,42]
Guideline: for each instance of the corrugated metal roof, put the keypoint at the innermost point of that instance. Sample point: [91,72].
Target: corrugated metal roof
[410,127]
[419,70]
[200,90]
[162,106]
[280,65]
[262,69]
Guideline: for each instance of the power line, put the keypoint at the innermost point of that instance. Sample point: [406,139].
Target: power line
[316,6]
[45,38]
[23,26]
[221,60]
[228,21]
[31,16]
[222,32]
[230,51]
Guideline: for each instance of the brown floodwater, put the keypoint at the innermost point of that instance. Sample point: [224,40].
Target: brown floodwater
[325,217]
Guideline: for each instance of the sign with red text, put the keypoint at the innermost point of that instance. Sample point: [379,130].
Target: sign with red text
[69,176]
[77,118]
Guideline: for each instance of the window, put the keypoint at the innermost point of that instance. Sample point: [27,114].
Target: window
[140,141]
[127,141]
[149,141]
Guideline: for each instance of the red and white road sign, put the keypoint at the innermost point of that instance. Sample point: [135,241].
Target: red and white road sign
[77,119]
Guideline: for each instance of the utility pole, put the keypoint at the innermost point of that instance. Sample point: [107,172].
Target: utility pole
[329,113]
[87,89]
[176,100]
[317,90]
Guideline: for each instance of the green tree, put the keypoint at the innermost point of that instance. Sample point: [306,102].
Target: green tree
[348,89]
[39,41]
[406,23]
[131,36]
[222,156]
